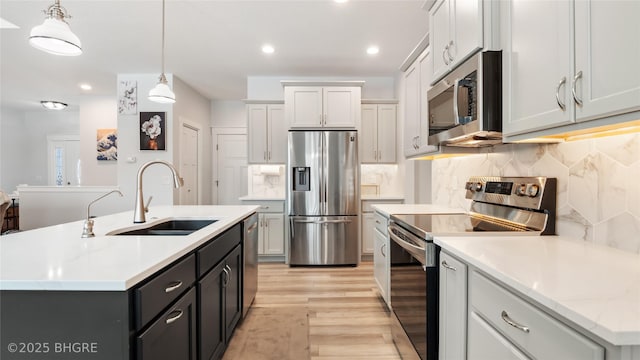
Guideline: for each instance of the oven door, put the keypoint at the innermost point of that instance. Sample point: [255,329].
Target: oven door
[414,295]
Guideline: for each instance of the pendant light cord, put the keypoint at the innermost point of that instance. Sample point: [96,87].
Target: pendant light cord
[162,38]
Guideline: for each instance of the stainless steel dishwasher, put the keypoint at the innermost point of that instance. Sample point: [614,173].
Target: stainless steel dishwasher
[250,265]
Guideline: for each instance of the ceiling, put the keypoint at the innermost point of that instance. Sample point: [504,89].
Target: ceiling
[212,45]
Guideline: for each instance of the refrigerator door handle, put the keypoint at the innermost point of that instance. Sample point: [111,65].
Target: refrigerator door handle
[321,222]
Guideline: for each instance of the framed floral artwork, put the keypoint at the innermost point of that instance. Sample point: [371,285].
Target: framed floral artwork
[107,144]
[152,130]
[128,97]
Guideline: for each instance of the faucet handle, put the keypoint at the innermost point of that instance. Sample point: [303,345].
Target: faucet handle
[146,207]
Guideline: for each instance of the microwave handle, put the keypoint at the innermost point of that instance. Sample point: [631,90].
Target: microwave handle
[456,111]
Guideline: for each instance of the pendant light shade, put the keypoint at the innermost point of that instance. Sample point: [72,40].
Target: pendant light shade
[162,93]
[54,35]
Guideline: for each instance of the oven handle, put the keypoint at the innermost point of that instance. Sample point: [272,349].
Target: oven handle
[407,246]
[456,111]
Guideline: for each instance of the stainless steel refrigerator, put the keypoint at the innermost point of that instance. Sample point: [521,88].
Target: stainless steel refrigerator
[323,196]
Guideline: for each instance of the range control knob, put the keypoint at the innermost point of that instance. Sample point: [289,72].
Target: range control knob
[533,190]
[473,186]
[521,189]
[477,186]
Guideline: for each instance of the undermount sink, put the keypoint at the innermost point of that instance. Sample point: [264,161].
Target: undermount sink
[171,227]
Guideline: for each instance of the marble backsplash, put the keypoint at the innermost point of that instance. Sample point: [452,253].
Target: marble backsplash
[266,181]
[598,192]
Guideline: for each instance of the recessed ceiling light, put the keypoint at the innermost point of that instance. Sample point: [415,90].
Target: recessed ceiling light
[268,49]
[53,105]
[372,50]
[85,87]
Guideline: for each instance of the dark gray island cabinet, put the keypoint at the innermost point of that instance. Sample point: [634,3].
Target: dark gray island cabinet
[188,310]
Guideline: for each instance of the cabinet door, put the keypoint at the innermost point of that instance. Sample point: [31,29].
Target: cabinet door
[173,334]
[466,29]
[607,57]
[486,343]
[411,109]
[277,135]
[341,106]
[368,225]
[380,268]
[273,234]
[303,106]
[537,65]
[426,67]
[257,126]
[261,235]
[453,308]
[210,318]
[439,38]
[368,134]
[233,291]
[386,141]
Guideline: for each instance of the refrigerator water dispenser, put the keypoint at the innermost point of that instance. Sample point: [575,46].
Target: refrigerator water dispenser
[301,178]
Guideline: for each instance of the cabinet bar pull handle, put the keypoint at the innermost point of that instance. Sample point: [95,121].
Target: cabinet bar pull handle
[573,88]
[382,250]
[225,280]
[510,321]
[269,155]
[449,51]
[230,271]
[377,221]
[173,318]
[562,82]
[443,57]
[252,227]
[172,286]
[447,266]
[264,207]
[375,154]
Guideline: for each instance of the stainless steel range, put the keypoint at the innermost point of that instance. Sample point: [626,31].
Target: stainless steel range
[500,206]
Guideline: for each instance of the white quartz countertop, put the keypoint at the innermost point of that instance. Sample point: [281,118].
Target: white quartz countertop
[261,198]
[58,258]
[390,209]
[595,287]
[381,197]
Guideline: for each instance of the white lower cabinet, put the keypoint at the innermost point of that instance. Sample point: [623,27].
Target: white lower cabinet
[368,224]
[522,325]
[381,259]
[271,228]
[486,343]
[453,308]
[481,319]
[271,239]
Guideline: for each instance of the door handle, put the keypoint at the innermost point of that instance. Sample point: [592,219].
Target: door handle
[573,88]
[447,266]
[323,221]
[173,318]
[173,286]
[505,316]
[252,227]
[560,104]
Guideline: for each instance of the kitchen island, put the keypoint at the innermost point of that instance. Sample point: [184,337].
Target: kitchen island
[126,296]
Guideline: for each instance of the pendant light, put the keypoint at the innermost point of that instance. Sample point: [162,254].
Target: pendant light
[54,35]
[162,93]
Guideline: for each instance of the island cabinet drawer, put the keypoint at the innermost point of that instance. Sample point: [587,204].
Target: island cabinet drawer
[528,327]
[218,248]
[381,222]
[159,292]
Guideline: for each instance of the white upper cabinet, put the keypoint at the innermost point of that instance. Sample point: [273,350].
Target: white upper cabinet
[378,139]
[607,58]
[417,79]
[456,32]
[316,106]
[267,134]
[557,73]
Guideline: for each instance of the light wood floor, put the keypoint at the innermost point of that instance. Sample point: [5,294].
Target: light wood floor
[347,319]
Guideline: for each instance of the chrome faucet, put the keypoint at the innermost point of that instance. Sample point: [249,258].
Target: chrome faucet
[140,209]
[87,228]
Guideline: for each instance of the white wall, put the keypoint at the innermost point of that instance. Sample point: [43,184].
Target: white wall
[228,113]
[96,113]
[270,88]
[157,181]
[12,147]
[194,109]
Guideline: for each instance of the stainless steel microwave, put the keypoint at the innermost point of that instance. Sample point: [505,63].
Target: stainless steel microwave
[465,107]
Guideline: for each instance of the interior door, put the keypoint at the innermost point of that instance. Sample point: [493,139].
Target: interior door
[64,161]
[189,165]
[232,176]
